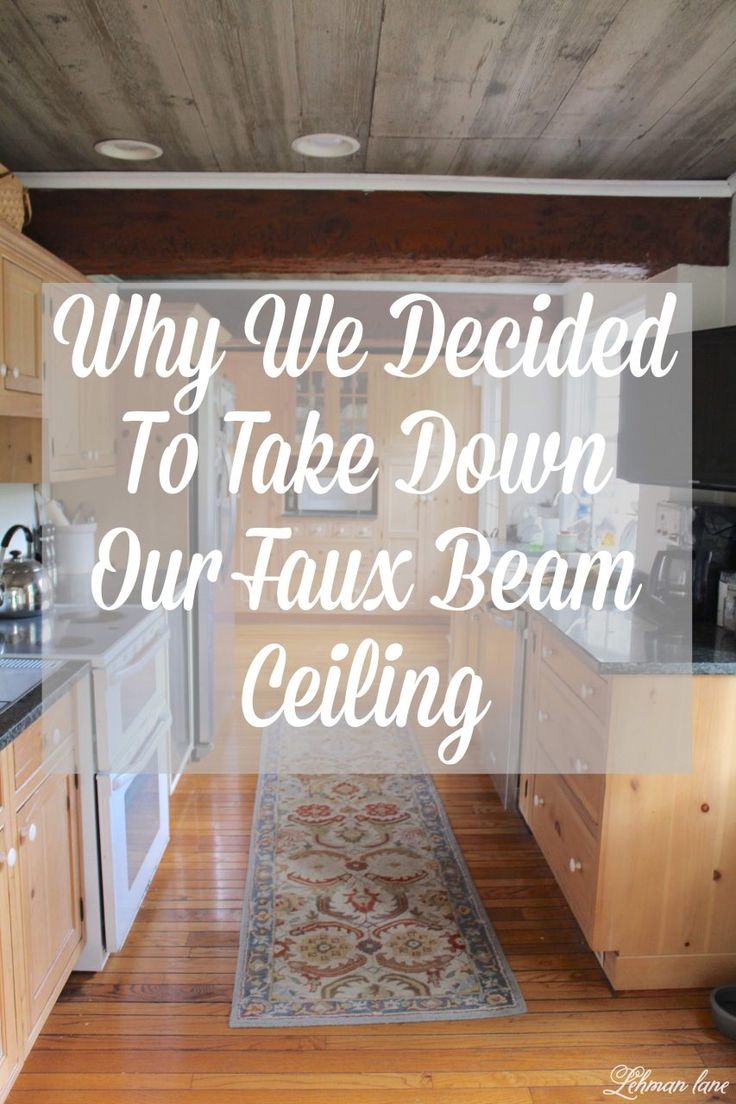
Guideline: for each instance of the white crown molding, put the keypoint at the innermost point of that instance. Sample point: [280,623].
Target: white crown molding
[380,182]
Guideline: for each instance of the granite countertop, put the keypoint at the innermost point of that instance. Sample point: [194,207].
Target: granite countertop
[634,641]
[51,686]
[629,642]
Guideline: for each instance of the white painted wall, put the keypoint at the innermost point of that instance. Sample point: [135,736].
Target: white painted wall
[16,506]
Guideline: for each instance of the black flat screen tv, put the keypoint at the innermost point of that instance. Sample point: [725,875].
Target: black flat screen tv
[656,416]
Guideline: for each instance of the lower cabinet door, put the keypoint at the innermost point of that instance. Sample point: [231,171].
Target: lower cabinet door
[51,914]
[9,1046]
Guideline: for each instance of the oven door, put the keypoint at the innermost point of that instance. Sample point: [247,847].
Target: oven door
[131,694]
[133,810]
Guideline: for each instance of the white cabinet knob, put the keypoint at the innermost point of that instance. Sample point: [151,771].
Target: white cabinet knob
[542,716]
[581,767]
[586,692]
[538,801]
[547,652]
[3,370]
[16,373]
[56,737]
[575,865]
[29,833]
[11,858]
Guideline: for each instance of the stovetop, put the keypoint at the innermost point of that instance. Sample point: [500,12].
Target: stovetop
[70,632]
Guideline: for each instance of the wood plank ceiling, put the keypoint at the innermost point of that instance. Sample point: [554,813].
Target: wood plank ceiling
[579,88]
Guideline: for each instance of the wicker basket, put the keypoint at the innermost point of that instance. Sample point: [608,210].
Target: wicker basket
[15,203]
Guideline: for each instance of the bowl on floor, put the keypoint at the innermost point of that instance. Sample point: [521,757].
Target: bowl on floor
[723,1007]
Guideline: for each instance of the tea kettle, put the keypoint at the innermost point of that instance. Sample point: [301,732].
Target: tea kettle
[25,584]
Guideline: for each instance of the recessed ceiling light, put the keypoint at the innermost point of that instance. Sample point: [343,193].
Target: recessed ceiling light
[325,145]
[128,149]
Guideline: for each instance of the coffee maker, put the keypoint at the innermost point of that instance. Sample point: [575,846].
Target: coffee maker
[714,551]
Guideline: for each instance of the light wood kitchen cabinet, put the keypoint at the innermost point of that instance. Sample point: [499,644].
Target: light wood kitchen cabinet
[41,906]
[24,267]
[9,1043]
[346,405]
[80,436]
[415,521]
[464,632]
[647,861]
[50,909]
[21,305]
[81,417]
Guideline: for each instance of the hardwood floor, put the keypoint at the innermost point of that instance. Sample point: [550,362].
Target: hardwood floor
[152,1028]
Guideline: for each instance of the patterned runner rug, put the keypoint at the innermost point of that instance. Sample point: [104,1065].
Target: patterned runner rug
[359,907]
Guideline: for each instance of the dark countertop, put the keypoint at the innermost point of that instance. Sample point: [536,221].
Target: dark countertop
[630,642]
[618,642]
[50,687]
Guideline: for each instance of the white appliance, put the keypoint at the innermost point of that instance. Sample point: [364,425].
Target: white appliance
[133,808]
[132,729]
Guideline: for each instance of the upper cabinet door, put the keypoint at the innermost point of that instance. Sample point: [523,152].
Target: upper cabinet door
[21,328]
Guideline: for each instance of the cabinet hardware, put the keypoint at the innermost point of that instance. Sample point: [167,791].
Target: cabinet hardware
[542,716]
[538,801]
[575,865]
[586,692]
[547,652]
[29,833]
[9,857]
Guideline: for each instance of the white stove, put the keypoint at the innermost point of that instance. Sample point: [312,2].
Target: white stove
[68,632]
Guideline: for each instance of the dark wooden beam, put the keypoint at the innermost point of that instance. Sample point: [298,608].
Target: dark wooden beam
[150,233]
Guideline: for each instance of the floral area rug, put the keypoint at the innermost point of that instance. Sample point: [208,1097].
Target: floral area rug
[359,907]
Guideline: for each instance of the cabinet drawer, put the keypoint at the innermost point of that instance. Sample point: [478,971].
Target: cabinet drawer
[588,686]
[568,846]
[354,530]
[36,750]
[573,742]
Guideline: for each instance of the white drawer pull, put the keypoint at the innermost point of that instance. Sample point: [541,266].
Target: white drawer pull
[547,652]
[542,716]
[3,370]
[581,767]
[10,858]
[586,692]
[538,801]
[29,833]
[16,373]
[575,865]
